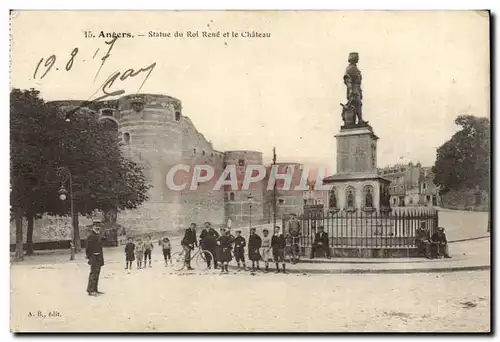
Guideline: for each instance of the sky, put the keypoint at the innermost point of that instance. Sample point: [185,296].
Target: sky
[420,70]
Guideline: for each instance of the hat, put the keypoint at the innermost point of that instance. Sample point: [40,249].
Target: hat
[441,229]
[265,230]
[239,230]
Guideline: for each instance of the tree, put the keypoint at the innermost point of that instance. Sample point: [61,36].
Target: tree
[463,162]
[28,161]
[43,140]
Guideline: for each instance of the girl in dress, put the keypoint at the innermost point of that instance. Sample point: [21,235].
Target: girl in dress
[139,252]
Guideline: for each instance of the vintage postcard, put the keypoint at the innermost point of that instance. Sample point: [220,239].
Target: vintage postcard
[250,171]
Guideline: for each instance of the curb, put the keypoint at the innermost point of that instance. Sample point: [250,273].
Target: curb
[470,239]
[384,271]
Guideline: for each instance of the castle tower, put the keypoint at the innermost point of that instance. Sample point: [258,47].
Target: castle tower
[237,203]
[288,201]
[150,127]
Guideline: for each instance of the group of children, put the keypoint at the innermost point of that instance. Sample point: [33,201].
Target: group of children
[266,248]
[141,251]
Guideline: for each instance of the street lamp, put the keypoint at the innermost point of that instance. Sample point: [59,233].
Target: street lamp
[65,175]
[250,199]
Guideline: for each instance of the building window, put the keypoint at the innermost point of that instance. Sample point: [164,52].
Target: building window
[226,197]
[428,198]
[107,112]
[211,154]
[241,162]
[177,116]
[281,201]
[203,153]
[126,138]
[231,196]
[194,150]
[424,186]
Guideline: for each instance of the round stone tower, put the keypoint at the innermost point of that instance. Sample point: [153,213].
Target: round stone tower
[237,203]
[151,132]
[150,127]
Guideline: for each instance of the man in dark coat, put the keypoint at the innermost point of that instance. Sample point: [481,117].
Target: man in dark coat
[224,243]
[95,260]
[439,239]
[321,242]
[254,244]
[422,241]
[188,242]
[208,241]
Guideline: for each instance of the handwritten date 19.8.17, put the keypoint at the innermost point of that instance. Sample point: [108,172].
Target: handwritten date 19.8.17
[49,62]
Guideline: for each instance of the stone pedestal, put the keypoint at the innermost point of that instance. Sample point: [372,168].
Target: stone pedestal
[357,185]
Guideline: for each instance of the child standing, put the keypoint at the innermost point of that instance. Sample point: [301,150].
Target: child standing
[165,246]
[278,244]
[239,249]
[148,248]
[129,253]
[254,244]
[265,250]
[139,253]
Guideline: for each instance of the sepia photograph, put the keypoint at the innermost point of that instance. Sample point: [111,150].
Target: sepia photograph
[250,171]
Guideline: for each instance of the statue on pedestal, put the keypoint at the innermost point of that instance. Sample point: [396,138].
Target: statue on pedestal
[350,200]
[369,199]
[352,110]
[332,203]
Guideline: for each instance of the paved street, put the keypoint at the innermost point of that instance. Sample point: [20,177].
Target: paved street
[158,299]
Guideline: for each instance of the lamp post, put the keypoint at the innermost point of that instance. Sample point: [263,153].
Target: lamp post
[250,199]
[65,175]
[274,188]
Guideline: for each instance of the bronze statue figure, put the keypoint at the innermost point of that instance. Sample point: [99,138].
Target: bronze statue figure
[352,79]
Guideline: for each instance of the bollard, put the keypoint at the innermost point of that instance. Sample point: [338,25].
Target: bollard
[72,250]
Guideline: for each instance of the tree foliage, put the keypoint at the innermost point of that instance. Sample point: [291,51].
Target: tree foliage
[43,140]
[463,162]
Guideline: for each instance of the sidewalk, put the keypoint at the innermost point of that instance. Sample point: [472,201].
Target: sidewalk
[466,256]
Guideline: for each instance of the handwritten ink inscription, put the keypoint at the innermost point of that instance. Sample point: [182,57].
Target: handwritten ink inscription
[44,66]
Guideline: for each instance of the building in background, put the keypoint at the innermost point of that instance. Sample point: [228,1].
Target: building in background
[411,185]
